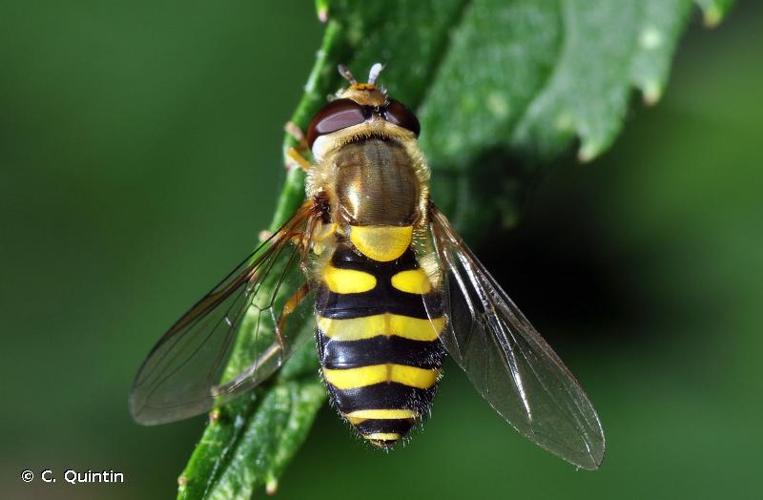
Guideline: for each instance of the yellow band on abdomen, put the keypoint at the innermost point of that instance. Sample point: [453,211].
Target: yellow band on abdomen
[382,436]
[367,327]
[358,416]
[390,414]
[353,378]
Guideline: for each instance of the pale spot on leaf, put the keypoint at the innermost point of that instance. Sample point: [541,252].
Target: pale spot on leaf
[650,38]
[498,105]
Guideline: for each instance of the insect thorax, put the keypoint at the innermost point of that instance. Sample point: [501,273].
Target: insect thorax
[373,181]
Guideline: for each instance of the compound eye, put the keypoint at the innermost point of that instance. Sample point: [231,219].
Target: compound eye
[401,116]
[336,115]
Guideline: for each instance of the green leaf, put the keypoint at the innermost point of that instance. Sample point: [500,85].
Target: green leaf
[715,10]
[503,88]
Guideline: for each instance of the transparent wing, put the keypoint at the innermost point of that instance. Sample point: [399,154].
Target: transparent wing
[508,361]
[185,373]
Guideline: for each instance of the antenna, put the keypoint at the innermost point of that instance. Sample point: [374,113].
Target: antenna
[373,74]
[346,74]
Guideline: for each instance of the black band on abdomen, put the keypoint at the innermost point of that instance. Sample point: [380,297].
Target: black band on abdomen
[382,396]
[396,425]
[383,298]
[379,350]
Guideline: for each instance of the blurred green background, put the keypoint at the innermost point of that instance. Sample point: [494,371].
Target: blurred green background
[140,156]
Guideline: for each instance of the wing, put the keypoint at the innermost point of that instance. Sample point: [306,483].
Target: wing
[185,373]
[508,361]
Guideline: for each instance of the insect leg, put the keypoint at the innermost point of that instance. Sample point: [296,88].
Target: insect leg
[293,130]
[289,308]
[295,159]
[296,156]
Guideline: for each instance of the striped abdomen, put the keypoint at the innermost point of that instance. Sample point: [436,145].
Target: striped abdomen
[380,352]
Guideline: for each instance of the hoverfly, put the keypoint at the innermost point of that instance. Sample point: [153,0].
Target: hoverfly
[392,287]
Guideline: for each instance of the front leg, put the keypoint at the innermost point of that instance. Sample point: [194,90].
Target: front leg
[295,157]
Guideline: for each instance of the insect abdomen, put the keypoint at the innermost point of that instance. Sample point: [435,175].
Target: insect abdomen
[380,352]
